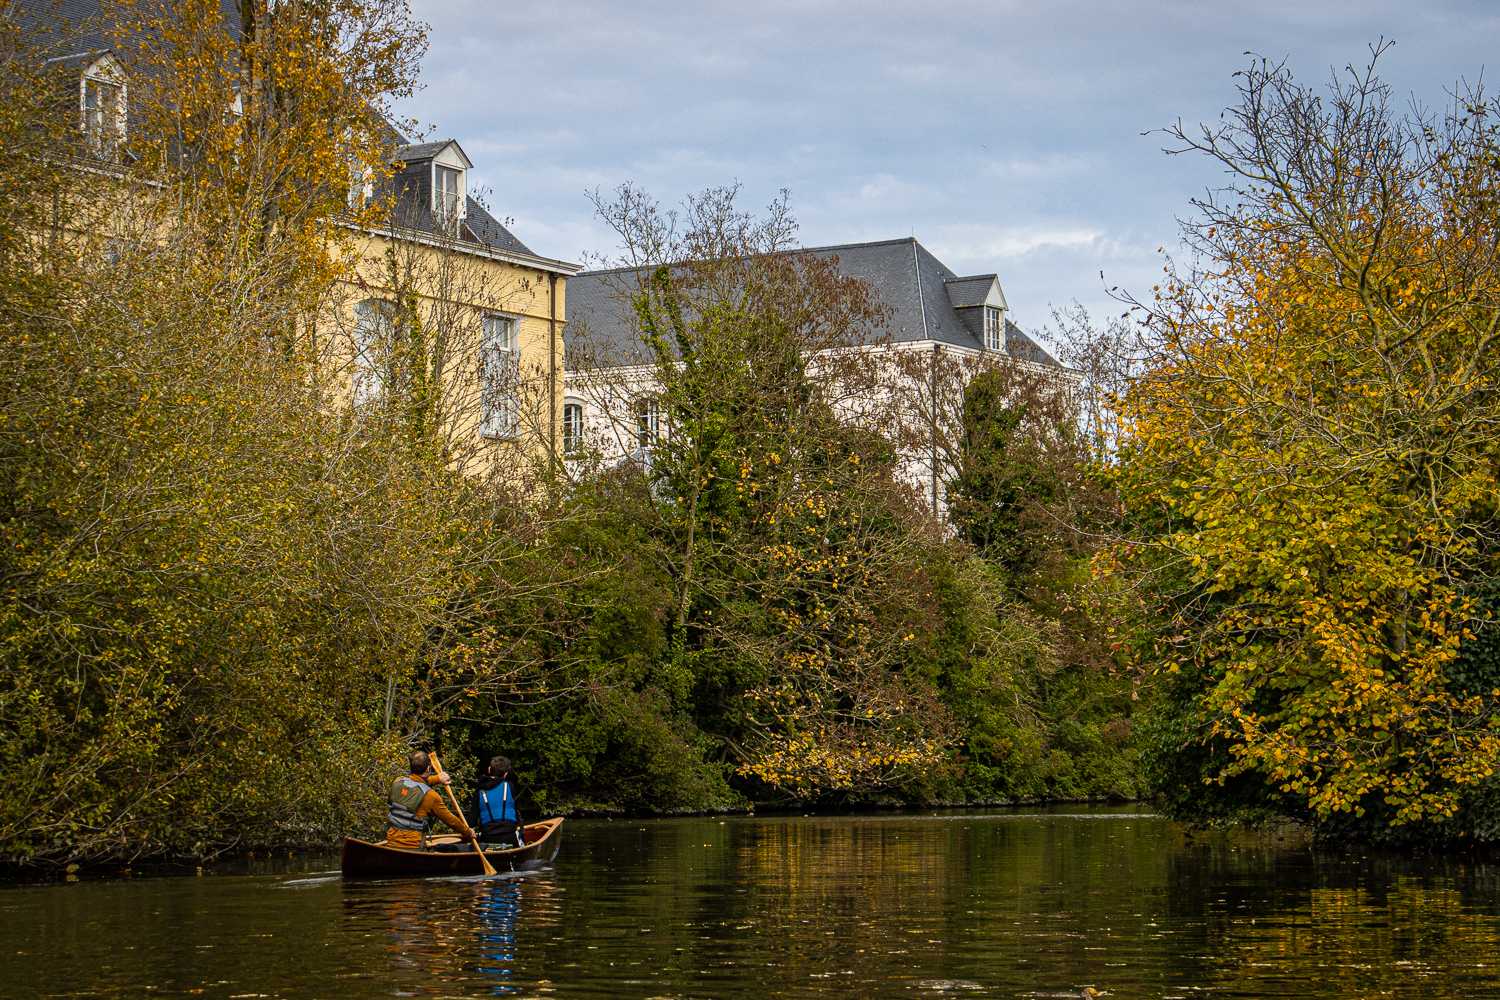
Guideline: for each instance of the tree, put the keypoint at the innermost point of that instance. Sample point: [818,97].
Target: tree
[1309,471]
[1003,490]
[799,591]
[229,599]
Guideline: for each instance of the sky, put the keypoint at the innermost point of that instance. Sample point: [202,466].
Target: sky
[1006,136]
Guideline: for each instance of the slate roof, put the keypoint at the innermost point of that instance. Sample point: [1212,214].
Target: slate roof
[479,227]
[78,61]
[908,277]
[418,150]
[482,227]
[970,291]
[74,25]
[484,232]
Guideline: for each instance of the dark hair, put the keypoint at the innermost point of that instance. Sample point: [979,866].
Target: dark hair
[420,762]
[499,766]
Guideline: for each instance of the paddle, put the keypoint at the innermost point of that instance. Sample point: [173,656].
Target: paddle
[489,869]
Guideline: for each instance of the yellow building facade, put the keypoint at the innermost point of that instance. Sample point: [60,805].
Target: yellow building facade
[443,303]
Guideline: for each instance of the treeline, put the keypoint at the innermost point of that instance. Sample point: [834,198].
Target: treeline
[1246,564]
[1308,482]
[235,595]
[768,611]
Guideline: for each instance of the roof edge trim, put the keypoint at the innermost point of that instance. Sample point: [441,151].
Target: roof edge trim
[565,268]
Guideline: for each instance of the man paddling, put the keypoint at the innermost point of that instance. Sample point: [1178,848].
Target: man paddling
[414,805]
[493,809]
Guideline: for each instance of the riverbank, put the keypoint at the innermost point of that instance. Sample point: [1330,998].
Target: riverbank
[291,846]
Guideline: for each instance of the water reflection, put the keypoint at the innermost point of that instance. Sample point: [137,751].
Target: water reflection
[1036,905]
[447,935]
[498,909]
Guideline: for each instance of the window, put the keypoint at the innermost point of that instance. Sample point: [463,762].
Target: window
[500,376]
[446,193]
[650,423]
[103,113]
[372,333]
[994,335]
[572,428]
[361,184]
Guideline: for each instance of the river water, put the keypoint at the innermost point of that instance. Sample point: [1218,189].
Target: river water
[1015,903]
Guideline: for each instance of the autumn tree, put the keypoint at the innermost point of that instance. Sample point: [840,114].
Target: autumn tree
[230,600]
[799,591]
[1309,467]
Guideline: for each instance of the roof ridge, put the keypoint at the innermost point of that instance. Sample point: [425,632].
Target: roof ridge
[872,243]
[837,246]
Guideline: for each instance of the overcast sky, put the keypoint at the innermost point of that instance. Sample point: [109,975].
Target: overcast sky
[1006,136]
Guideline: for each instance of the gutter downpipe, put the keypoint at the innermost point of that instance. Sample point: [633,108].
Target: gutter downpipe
[552,371]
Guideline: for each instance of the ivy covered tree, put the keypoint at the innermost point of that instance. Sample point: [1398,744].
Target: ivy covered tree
[1006,484]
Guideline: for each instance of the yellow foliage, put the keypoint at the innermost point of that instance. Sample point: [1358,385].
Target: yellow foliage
[1310,467]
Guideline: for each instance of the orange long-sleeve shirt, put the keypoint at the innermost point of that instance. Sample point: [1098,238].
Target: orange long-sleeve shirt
[432,805]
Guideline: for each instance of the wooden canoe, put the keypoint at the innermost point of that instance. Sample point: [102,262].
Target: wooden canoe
[364,858]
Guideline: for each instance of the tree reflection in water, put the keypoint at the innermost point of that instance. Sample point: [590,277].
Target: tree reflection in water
[1010,904]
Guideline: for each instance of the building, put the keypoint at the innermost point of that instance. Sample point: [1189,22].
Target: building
[419,250]
[942,328]
[493,310]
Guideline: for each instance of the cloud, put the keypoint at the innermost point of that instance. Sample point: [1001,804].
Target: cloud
[1006,136]
[1019,241]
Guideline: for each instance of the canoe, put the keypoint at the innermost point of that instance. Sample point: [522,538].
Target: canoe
[364,858]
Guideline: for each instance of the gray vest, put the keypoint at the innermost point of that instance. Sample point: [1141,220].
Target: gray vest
[405,798]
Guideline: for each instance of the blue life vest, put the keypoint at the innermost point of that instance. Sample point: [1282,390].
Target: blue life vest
[497,806]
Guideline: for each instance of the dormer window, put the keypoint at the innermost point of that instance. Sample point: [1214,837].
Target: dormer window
[980,304]
[994,332]
[361,184]
[447,189]
[430,177]
[102,101]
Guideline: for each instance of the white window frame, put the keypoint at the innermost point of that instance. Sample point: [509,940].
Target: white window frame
[572,426]
[102,96]
[994,328]
[361,184]
[499,377]
[651,426]
[447,204]
[373,327]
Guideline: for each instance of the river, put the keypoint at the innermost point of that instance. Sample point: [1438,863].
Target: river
[996,903]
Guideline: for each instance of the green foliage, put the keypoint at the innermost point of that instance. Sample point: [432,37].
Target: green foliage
[1005,481]
[777,610]
[1047,710]
[234,598]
